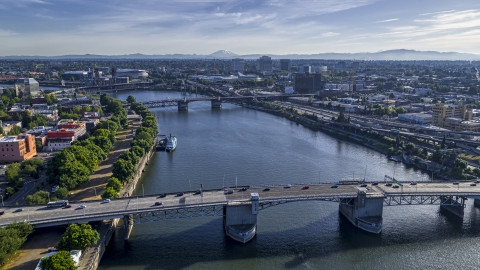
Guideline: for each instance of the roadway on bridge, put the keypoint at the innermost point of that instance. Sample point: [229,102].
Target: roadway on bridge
[120,207]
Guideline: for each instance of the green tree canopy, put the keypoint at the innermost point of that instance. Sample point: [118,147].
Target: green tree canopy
[59,261]
[78,237]
[114,183]
[110,193]
[123,170]
[39,197]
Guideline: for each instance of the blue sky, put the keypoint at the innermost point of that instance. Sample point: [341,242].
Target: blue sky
[58,27]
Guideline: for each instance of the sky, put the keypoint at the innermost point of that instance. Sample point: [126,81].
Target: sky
[117,27]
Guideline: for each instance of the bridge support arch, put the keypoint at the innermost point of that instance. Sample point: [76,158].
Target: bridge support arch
[216,104]
[363,212]
[240,219]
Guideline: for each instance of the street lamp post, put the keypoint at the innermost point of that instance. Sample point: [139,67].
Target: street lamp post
[143,191]
[2,200]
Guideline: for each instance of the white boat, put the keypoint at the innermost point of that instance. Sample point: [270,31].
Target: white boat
[171,143]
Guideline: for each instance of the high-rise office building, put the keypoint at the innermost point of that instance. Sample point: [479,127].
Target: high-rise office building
[27,86]
[238,65]
[308,83]
[285,64]
[264,63]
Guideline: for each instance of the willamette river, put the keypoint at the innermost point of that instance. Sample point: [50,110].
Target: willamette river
[258,148]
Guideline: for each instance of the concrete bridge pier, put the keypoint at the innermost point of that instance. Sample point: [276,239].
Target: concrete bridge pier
[363,212]
[216,104]
[240,219]
[127,226]
[454,204]
[182,105]
[476,202]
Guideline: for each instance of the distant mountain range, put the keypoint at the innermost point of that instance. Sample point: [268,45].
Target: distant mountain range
[401,54]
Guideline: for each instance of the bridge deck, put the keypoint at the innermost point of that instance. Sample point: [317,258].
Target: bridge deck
[96,210]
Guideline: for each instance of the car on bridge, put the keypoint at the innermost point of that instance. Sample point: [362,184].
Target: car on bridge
[230,191]
[68,206]
[395,186]
[158,203]
[305,187]
[106,201]
[266,189]
[162,195]
[197,192]
[287,186]
[388,184]
[455,183]
[18,210]
[363,185]
[413,183]
[180,194]
[81,206]
[243,189]
[334,186]
[473,184]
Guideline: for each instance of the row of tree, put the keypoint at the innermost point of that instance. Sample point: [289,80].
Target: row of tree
[125,166]
[73,165]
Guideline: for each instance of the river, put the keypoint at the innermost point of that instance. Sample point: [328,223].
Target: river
[256,149]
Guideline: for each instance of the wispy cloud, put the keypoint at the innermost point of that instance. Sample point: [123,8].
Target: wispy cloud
[389,20]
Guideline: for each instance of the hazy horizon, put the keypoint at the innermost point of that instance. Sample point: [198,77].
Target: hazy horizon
[154,27]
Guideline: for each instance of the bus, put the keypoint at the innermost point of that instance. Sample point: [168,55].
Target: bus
[60,203]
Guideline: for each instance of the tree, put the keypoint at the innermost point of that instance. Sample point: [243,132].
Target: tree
[131,99]
[123,170]
[11,239]
[61,193]
[78,237]
[39,197]
[15,131]
[59,261]
[114,183]
[137,150]
[110,193]
[11,174]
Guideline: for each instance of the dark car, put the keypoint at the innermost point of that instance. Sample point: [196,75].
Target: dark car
[455,183]
[162,195]
[305,187]
[473,184]
[243,189]
[158,203]
[230,191]
[413,183]
[363,185]
[374,183]
[395,186]
[477,182]
[388,184]
[197,192]
[18,210]
[180,194]
[2,212]
[68,206]
[334,186]
[266,189]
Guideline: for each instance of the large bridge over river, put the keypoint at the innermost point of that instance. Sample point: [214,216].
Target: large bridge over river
[362,206]
[182,103]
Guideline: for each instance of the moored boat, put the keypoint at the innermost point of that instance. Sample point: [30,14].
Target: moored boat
[171,143]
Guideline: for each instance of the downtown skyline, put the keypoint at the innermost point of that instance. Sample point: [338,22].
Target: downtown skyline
[59,27]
